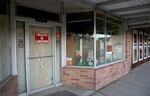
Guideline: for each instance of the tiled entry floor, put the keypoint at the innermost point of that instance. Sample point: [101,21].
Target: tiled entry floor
[64,91]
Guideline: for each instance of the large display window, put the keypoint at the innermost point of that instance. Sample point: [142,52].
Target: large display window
[93,40]
[114,42]
[100,39]
[80,49]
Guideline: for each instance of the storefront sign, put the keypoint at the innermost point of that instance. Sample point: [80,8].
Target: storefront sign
[58,34]
[41,38]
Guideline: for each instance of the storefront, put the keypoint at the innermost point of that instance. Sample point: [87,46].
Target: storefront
[86,49]
[38,50]
[141,49]
[97,50]
[31,49]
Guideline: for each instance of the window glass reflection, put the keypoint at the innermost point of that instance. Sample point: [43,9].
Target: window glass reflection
[114,42]
[100,41]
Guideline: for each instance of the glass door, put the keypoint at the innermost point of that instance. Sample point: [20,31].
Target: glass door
[135,46]
[140,46]
[20,52]
[40,58]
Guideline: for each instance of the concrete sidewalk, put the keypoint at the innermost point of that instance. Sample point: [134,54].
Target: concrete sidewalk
[137,83]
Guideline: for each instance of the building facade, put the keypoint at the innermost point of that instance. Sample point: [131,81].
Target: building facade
[83,49]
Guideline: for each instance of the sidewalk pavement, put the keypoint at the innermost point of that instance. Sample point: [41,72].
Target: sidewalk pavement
[136,83]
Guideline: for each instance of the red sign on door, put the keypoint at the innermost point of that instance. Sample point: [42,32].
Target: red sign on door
[41,38]
[58,34]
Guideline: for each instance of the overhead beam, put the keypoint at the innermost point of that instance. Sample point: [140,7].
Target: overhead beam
[89,2]
[131,8]
[141,14]
[110,2]
[139,26]
[139,19]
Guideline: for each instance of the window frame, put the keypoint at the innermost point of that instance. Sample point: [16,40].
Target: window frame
[124,48]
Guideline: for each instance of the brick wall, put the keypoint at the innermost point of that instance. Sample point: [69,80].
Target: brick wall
[78,77]
[10,88]
[110,73]
[97,78]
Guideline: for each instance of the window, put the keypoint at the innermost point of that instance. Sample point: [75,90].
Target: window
[109,40]
[80,49]
[5,48]
[100,39]
[84,49]
[114,42]
[80,40]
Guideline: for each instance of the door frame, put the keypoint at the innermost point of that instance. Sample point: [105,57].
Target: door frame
[27,56]
[49,24]
[135,32]
[141,46]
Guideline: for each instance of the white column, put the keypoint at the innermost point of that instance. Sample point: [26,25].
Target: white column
[13,37]
[63,43]
[94,38]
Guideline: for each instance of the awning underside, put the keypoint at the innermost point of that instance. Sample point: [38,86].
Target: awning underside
[135,11]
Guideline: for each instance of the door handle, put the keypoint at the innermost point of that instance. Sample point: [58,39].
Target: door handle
[40,57]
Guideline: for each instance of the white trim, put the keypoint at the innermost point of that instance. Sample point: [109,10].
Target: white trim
[123,29]
[42,89]
[54,53]
[63,41]
[137,45]
[58,65]
[103,65]
[94,39]
[13,38]
[81,44]
[26,58]
[141,47]
[79,67]
[23,94]
[112,63]
[145,45]
[59,84]
[148,45]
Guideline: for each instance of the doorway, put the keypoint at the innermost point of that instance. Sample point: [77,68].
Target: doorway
[38,57]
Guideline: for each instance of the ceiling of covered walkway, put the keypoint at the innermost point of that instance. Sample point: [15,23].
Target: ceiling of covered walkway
[137,12]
